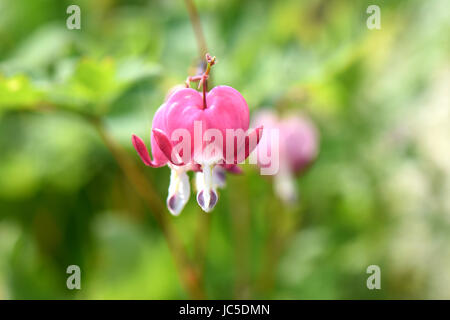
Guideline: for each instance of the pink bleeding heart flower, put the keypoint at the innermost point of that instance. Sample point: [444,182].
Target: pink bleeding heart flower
[297,148]
[189,132]
[179,187]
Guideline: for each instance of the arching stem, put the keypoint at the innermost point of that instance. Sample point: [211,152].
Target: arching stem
[203,79]
[198,31]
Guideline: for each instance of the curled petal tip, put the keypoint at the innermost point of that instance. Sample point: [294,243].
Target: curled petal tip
[142,151]
[259,131]
[251,141]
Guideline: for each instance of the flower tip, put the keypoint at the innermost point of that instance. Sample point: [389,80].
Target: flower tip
[175,205]
[207,203]
[259,132]
[136,140]
[142,151]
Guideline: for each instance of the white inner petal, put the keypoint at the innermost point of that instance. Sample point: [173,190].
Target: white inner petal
[207,183]
[179,190]
[285,186]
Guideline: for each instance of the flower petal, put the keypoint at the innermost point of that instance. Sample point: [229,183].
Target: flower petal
[251,141]
[166,147]
[179,191]
[206,189]
[285,187]
[207,201]
[232,168]
[142,151]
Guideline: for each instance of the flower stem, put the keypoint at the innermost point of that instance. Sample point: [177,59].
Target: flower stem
[283,222]
[204,80]
[201,240]
[196,25]
[240,222]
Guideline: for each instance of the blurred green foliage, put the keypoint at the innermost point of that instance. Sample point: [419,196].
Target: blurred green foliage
[378,193]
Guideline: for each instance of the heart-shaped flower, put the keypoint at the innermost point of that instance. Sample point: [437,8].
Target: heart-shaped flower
[199,131]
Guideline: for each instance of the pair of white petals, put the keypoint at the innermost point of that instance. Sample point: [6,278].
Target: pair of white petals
[206,182]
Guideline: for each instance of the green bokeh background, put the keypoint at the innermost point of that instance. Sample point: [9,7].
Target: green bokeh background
[379,192]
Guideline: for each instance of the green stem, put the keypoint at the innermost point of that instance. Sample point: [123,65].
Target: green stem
[196,25]
[240,219]
[201,241]
[282,222]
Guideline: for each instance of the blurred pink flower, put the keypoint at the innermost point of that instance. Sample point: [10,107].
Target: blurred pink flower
[297,148]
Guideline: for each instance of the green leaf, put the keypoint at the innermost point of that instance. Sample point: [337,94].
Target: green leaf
[18,92]
[94,85]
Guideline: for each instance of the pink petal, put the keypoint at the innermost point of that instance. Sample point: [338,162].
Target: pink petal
[166,147]
[232,168]
[226,109]
[251,141]
[141,149]
[196,167]
[235,170]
